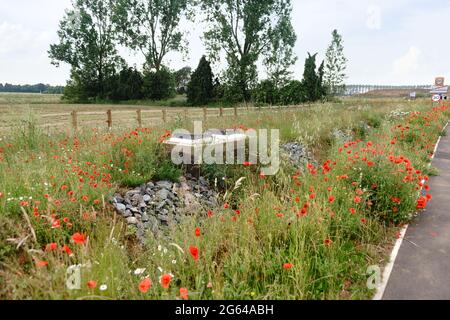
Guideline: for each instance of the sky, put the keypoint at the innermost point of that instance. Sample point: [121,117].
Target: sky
[386,42]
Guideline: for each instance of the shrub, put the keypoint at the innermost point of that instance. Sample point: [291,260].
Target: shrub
[200,88]
[127,85]
[292,93]
[159,85]
[266,93]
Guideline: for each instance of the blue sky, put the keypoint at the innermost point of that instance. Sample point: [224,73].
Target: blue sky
[386,42]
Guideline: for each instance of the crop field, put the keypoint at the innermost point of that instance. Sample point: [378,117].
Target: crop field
[308,232]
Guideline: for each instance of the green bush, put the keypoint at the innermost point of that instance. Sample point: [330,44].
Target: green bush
[200,89]
[159,85]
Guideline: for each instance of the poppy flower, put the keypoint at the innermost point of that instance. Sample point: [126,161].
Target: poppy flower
[429,197]
[247,164]
[352,210]
[312,196]
[288,266]
[421,203]
[1,195]
[370,163]
[79,238]
[40,263]
[91,284]
[210,213]
[165,280]
[56,223]
[331,199]
[184,294]
[194,252]
[51,247]
[145,285]
[66,249]
[197,232]
[226,205]
[357,199]
[327,242]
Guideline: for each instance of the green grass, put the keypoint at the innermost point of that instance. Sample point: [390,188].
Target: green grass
[286,218]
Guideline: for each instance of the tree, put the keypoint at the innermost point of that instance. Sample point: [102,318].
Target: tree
[310,78]
[321,90]
[282,56]
[266,92]
[182,78]
[87,42]
[200,88]
[127,85]
[335,65]
[152,27]
[245,31]
[159,85]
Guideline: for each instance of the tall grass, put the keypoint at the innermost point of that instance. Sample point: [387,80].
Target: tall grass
[297,235]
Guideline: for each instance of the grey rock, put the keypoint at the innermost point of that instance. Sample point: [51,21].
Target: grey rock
[164,184]
[132,220]
[163,194]
[146,198]
[120,207]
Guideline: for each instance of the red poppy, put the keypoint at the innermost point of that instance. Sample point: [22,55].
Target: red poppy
[146,284]
[352,210]
[247,164]
[370,163]
[429,197]
[357,199]
[51,247]
[312,196]
[421,203]
[66,249]
[40,263]
[226,205]
[1,195]
[331,199]
[79,238]
[194,252]
[327,242]
[297,199]
[184,294]
[288,266]
[210,213]
[56,223]
[165,280]
[91,284]
[197,232]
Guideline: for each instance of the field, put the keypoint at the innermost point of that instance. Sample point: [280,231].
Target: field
[309,233]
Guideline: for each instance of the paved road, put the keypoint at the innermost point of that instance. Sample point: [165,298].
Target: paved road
[422,267]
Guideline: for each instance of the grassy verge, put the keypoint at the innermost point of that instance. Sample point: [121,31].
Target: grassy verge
[298,235]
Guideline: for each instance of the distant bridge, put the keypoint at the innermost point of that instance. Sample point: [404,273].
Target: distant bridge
[352,89]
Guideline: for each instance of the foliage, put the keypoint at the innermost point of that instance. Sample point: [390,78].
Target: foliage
[87,42]
[152,27]
[35,88]
[245,31]
[200,88]
[159,85]
[335,65]
[127,85]
[182,78]
[266,92]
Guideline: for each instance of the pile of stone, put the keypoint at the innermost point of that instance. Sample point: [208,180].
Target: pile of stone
[342,136]
[154,206]
[296,154]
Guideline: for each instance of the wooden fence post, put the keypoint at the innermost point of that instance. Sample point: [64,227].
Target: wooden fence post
[74,120]
[221,112]
[109,120]
[139,117]
[164,115]
[235,111]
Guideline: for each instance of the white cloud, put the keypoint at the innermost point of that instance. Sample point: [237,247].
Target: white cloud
[408,63]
